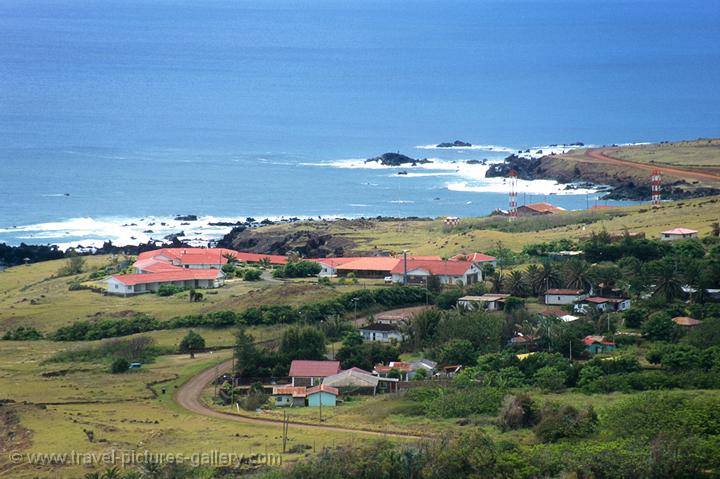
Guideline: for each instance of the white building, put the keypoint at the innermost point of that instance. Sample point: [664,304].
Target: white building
[447,272]
[678,234]
[490,302]
[563,296]
[381,332]
[125,284]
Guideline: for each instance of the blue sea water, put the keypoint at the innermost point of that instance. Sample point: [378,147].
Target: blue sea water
[246,108]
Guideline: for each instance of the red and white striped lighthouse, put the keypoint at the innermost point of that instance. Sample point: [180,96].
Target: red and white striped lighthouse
[655,188]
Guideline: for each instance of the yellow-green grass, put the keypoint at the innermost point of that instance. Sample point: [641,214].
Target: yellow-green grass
[381,413]
[702,154]
[128,416]
[431,237]
[31,295]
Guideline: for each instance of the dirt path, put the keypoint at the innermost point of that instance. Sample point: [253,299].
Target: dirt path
[189,397]
[603,155]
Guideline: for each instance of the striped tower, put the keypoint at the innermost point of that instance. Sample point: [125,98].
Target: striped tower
[655,188]
[512,211]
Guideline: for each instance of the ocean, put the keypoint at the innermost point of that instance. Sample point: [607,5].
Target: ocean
[115,116]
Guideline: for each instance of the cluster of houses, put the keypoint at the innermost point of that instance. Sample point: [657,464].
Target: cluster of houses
[320,383]
[201,268]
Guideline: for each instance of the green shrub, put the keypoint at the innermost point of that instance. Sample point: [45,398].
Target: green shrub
[550,379]
[23,333]
[252,275]
[119,366]
[518,412]
[565,421]
[169,290]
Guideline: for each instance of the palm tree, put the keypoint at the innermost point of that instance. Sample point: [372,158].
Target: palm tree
[497,281]
[577,274]
[515,283]
[667,280]
[534,279]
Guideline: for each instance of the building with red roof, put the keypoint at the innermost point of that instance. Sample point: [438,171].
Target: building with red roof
[479,259]
[535,209]
[309,373]
[676,234]
[686,321]
[447,272]
[598,344]
[126,284]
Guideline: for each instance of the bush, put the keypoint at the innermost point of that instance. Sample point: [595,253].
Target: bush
[465,401]
[448,298]
[659,327]
[74,265]
[23,333]
[456,351]
[550,379]
[298,269]
[252,275]
[518,412]
[191,343]
[169,290]
[119,366]
[560,422]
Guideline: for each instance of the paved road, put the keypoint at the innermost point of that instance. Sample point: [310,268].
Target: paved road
[189,397]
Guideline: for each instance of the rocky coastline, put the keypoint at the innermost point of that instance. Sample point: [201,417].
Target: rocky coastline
[397,159]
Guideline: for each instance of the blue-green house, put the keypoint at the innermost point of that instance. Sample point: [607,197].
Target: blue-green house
[598,344]
[327,395]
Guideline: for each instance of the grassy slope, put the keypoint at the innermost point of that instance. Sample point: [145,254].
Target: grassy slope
[481,234]
[31,296]
[128,416]
[702,155]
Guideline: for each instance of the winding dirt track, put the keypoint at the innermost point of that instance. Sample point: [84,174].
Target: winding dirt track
[603,155]
[189,394]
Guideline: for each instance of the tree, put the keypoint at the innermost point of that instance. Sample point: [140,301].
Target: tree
[705,335]
[191,343]
[515,284]
[456,351]
[549,378]
[664,275]
[605,276]
[302,342]
[119,366]
[247,358]
[74,265]
[659,327]
[577,274]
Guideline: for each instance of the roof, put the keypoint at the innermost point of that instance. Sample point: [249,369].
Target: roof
[179,274]
[544,208]
[257,257]
[474,257]
[399,314]
[485,297]
[371,263]
[573,292]
[313,369]
[289,390]
[332,262]
[399,365]
[435,267]
[679,231]
[351,378]
[601,207]
[152,265]
[686,321]
[592,339]
[379,327]
[600,300]
[323,388]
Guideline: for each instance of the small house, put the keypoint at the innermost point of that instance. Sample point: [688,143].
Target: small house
[447,272]
[404,369]
[598,344]
[676,234]
[537,209]
[381,332]
[322,395]
[490,302]
[353,381]
[563,296]
[605,305]
[288,395]
[310,373]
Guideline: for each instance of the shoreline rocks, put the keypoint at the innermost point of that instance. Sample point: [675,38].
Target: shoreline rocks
[454,144]
[397,159]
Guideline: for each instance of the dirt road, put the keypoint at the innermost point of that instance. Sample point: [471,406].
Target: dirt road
[189,397]
[603,155]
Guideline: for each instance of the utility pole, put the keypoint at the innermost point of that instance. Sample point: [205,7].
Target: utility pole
[405,278]
[570,351]
[321,401]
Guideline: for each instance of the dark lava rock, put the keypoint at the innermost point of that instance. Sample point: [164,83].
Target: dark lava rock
[526,169]
[456,143]
[186,218]
[396,159]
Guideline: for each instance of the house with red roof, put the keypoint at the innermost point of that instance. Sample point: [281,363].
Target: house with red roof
[480,259]
[447,272]
[604,305]
[558,296]
[305,372]
[686,321]
[676,234]
[598,344]
[127,284]
[535,209]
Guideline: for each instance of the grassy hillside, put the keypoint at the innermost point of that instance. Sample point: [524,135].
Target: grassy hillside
[481,234]
[702,154]
[32,295]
